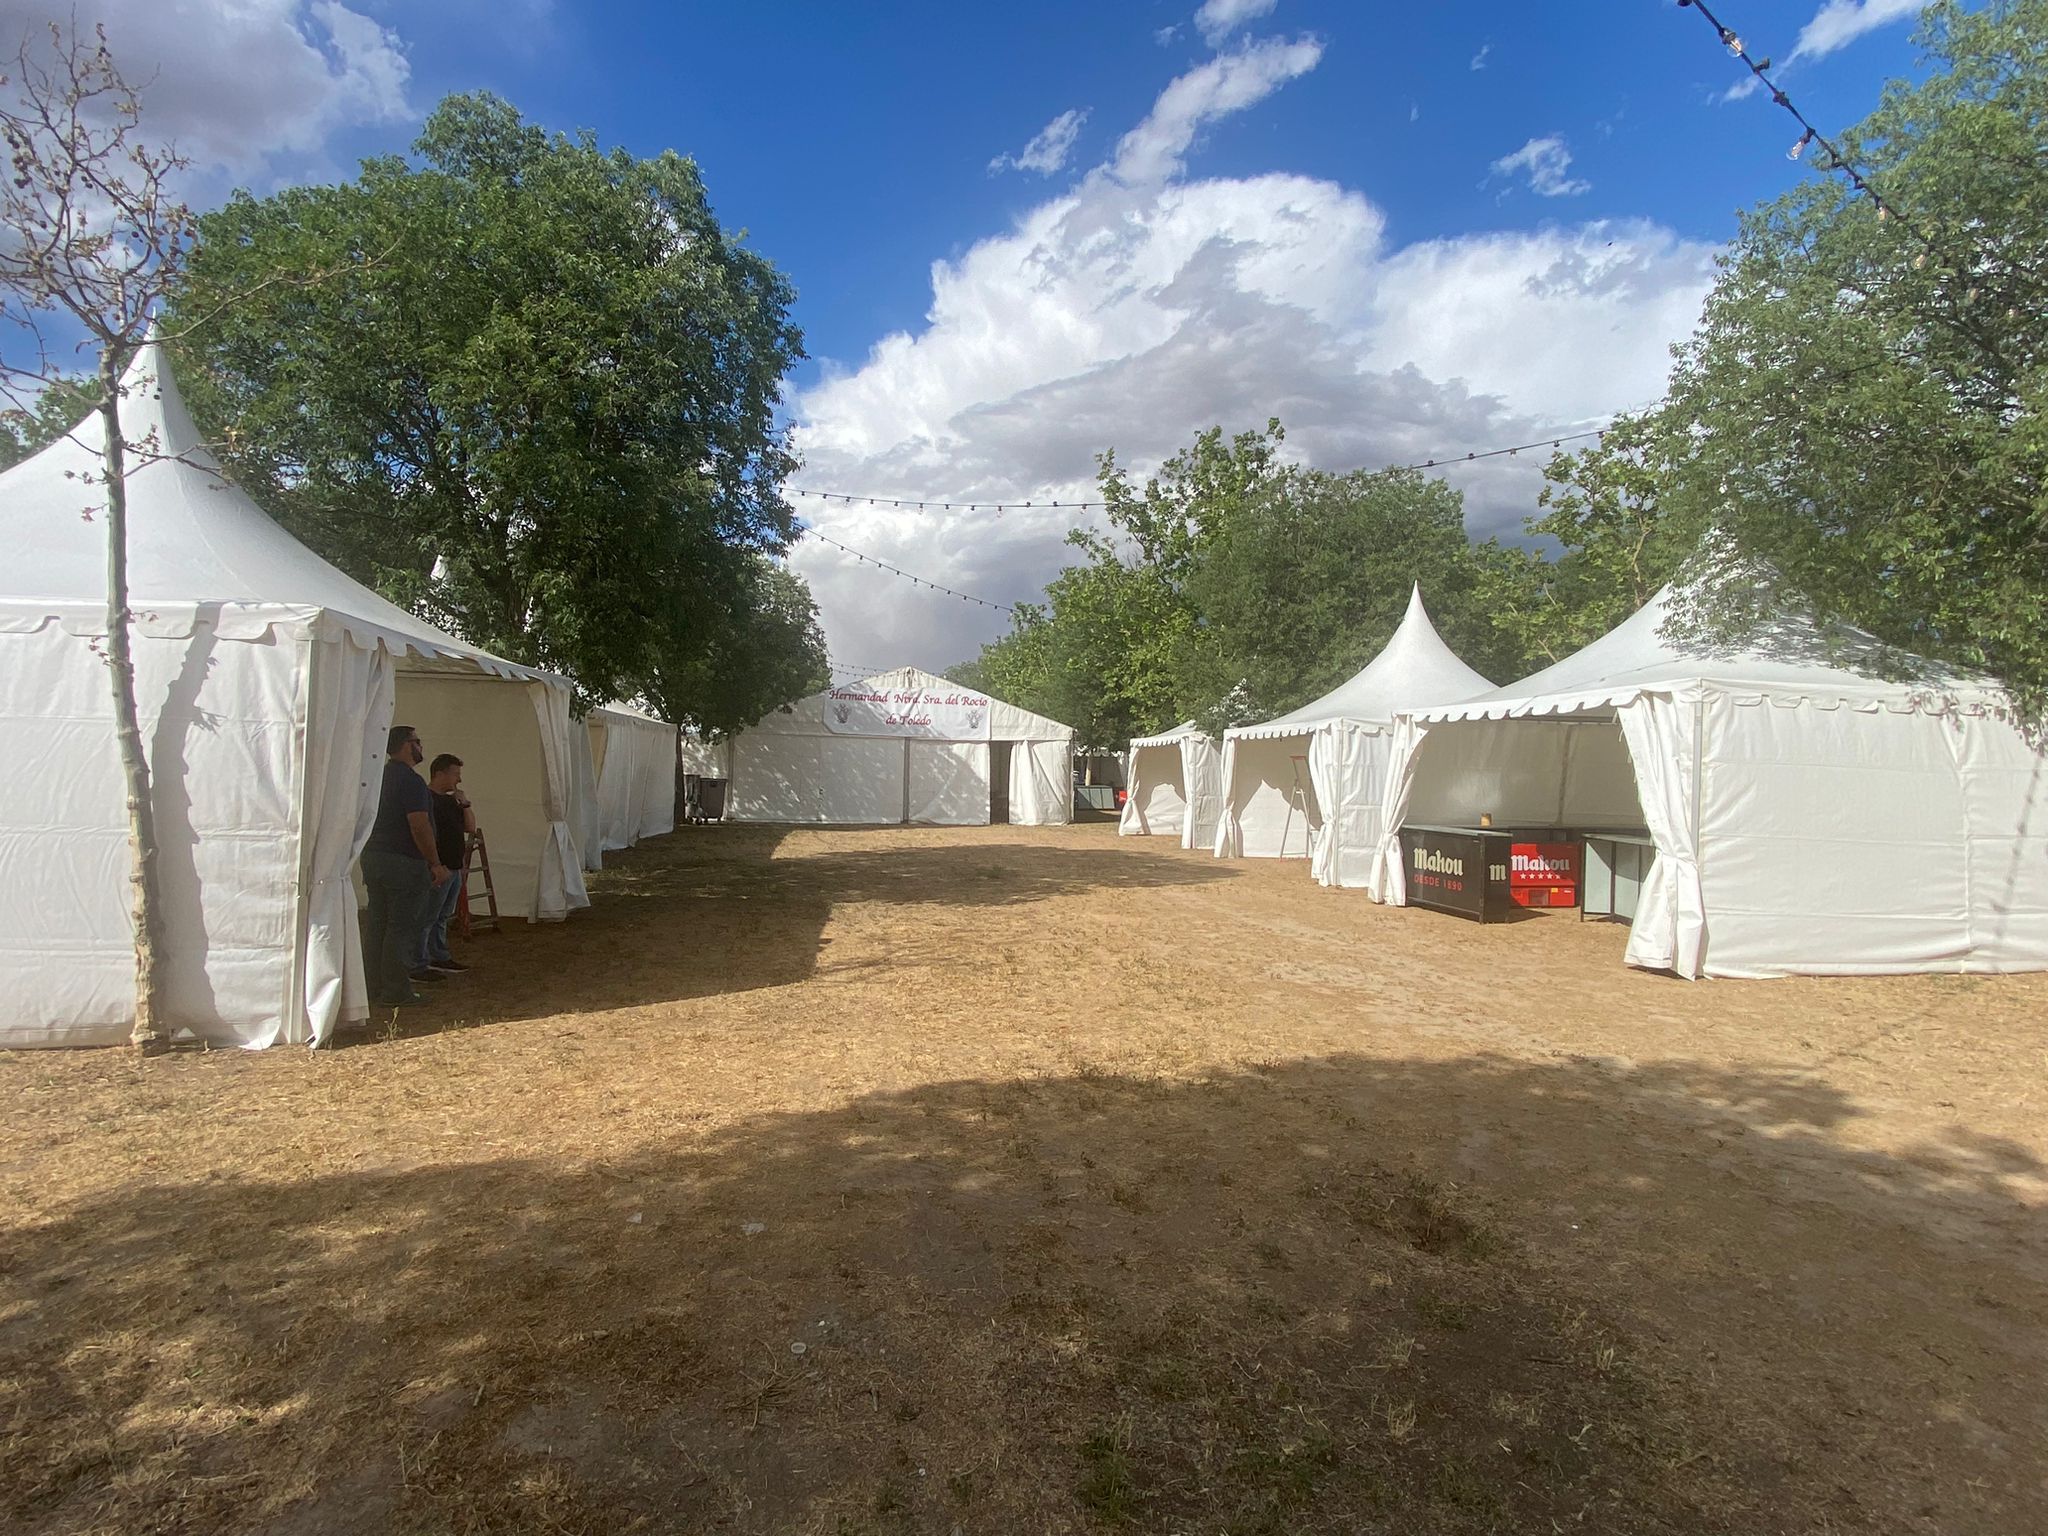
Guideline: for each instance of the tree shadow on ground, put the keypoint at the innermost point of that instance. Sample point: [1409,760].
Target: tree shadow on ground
[1299,1298]
[712,911]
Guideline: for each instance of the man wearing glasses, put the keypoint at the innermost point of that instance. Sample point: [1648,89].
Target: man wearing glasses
[402,869]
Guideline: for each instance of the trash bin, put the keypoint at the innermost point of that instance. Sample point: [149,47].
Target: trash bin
[710,799]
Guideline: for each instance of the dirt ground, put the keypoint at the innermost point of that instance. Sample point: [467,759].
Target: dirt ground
[1033,1180]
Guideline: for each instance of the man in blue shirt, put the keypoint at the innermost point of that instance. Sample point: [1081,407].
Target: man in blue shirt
[402,869]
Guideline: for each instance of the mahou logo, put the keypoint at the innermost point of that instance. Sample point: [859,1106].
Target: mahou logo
[1539,864]
[1429,863]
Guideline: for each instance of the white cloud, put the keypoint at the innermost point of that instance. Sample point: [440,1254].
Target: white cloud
[1217,19]
[1545,162]
[1048,151]
[1840,22]
[1134,311]
[1165,36]
[235,82]
[1479,58]
[1836,25]
[1155,149]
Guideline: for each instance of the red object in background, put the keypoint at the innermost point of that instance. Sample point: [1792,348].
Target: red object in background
[1121,796]
[1543,874]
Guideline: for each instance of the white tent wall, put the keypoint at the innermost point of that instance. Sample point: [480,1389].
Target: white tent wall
[1261,818]
[948,783]
[829,780]
[795,766]
[1156,803]
[263,740]
[518,748]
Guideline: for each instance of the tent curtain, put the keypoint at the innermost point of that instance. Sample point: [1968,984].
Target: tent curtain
[948,783]
[349,703]
[1041,783]
[636,781]
[583,794]
[1202,773]
[1326,749]
[1670,929]
[1229,841]
[1384,879]
[1347,764]
[1155,792]
[566,794]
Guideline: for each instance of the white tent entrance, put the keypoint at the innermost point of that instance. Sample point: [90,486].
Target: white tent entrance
[1809,813]
[1174,787]
[266,681]
[901,747]
[1310,784]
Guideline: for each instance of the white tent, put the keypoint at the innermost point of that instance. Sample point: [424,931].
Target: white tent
[635,756]
[1173,786]
[902,746]
[266,680]
[1809,815]
[1310,783]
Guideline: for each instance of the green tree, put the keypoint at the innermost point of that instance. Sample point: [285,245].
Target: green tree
[1861,408]
[59,405]
[1614,546]
[1233,587]
[1306,586]
[539,409]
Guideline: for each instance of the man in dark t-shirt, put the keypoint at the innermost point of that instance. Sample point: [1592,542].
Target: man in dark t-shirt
[401,869]
[453,823]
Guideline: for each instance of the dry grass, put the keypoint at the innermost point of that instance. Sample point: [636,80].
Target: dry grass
[907,1181]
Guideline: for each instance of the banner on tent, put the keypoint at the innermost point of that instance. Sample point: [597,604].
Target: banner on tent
[928,713]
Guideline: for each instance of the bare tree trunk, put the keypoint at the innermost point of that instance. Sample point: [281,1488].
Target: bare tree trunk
[148,1034]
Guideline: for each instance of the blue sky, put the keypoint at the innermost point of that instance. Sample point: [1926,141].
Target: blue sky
[1020,236]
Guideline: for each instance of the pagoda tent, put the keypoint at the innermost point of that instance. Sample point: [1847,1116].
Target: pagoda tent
[1818,804]
[634,754]
[1309,784]
[900,747]
[1173,786]
[266,681]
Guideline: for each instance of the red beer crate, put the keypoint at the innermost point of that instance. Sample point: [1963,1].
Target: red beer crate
[1544,874]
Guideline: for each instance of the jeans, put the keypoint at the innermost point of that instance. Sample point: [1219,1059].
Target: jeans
[392,923]
[441,906]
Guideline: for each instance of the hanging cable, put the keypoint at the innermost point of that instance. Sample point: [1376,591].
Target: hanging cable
[1831,157]
[854,498]
[894,570]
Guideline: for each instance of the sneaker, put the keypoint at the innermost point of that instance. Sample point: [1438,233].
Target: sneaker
[428,975]
[453,967]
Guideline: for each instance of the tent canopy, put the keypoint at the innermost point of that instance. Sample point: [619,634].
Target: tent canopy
[1791,655]
[1414,667]
[193,539]
[1309,783]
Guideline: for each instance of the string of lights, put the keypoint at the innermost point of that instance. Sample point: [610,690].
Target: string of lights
[1831,157]
[854,669]
[895,570]
[853,498]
